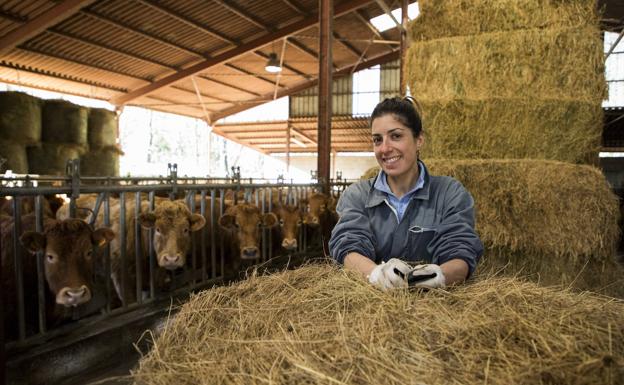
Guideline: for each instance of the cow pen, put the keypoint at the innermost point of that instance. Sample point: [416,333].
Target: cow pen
[101,334]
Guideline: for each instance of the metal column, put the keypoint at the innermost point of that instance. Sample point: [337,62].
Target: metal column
[403,61]
[326,18]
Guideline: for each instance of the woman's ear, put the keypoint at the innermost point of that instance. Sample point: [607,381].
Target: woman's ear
[420,141]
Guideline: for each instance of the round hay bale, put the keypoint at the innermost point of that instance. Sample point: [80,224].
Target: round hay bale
[20,118]
[51,158]
[322,325]
[102,128]
[13,158]
[568,131]
[102,162]
[471,17]
[64,122]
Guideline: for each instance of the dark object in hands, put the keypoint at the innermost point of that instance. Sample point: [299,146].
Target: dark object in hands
[414,279]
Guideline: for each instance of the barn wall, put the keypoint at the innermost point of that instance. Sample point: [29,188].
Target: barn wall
[352,167]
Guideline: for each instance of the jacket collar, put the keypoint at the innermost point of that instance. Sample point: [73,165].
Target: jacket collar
[376,197]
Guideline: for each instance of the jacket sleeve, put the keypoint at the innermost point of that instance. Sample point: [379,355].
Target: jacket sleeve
[353,232]
[456,237]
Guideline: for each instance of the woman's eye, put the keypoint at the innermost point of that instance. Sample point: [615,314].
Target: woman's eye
[396,136]
[376,140]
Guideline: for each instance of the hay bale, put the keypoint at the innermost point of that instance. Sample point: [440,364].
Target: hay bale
[51,158]
[102,162]
[102,128]
[64,122]
[322,325]
[471,17]
[554,221]
[495,129]
[14,157]
[557,65]
[20,118]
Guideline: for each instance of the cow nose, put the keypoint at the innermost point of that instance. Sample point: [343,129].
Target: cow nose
[171,261]
[72,296]
[289,244]
[250,253]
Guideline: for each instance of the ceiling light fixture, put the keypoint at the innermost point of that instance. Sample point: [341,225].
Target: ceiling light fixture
[273,65]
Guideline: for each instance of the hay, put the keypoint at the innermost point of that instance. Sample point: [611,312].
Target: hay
[102,128]
[321,325]
[555,221]
[471,17]
[496,129]
[14,156]
[64,122]
[103,162]
[554,64]
[51,158]
[20,118]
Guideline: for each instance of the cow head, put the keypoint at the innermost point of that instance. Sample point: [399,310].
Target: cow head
[68,257]
[246,221]
[173,224]
[315,206]
[290,220]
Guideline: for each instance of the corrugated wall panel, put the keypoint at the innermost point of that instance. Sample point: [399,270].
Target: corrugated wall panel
[305,103]
[390,80]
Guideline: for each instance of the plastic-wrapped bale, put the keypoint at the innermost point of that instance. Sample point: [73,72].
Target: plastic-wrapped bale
[448,18]
[491,78]
[64,122]
[14,158]
[495,129]
[102,128]
[555,221]
[323,325]
[51,158]
[102,162]
[20,118]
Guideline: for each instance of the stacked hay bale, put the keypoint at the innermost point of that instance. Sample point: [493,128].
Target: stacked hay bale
[64,137]
[521,79]
[20,126]
[103,156]
[322,325]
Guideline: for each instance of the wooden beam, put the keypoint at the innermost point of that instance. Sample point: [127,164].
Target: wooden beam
[373,61]
[382,4]
[301,47]
[290,68]
[243,49]
[244,71]
[343,42]
[298,8]
[40,23]
[222,134]
[365,19]
[242,13]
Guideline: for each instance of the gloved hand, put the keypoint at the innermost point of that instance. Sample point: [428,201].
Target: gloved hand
[390,275]
[426,276]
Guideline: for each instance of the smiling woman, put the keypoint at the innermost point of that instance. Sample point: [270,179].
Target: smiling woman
[405,227]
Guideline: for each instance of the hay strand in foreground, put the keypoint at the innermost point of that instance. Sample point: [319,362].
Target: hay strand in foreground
[321,325]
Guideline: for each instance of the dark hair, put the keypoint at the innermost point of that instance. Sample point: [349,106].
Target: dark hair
[403,109]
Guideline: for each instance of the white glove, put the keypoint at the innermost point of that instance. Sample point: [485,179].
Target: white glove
[385,277]
[427,276]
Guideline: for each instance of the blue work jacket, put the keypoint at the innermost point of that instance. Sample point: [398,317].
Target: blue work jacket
[438,224]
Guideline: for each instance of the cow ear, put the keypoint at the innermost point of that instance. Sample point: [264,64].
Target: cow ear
[228,221]
[102,236]
[197,222]
[33,241]
[269,219]
[147,220]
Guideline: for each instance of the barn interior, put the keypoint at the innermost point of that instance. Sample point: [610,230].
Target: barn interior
[208,60]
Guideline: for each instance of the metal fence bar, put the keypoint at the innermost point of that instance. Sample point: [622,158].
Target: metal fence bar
[213,231]
[18,268]
[107,255]
[40,268]
[150,248]
[122,248]
[202,211]
[137,248]
[192,282]
[221,209]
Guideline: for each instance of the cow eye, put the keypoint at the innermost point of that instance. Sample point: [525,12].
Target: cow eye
[158,230]
[281,222]
[89,253]
[50,258]
[299,222]
[259,224]
[186,230]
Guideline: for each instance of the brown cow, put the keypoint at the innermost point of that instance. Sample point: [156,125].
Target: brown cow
[320,218]
[290,220]
[68,265]
[242,224]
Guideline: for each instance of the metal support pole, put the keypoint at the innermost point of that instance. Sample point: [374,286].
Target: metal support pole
[326,17]
[403,61]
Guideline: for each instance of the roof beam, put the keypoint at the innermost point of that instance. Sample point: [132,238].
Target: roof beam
[290,68]
[382,4]
[242,13]
[393,55]
[365,19]
[222,134]
[40,23]
[244,48]
[298,8]
[342,41]
[244,71]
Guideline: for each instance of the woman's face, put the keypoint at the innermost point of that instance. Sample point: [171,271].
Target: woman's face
[395,147]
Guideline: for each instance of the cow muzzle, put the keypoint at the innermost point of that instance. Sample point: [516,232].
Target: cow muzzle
[250,253]
[171,261]
[72,296]
[289,244]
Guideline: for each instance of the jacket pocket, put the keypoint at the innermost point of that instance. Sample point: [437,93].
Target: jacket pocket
[419,238]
